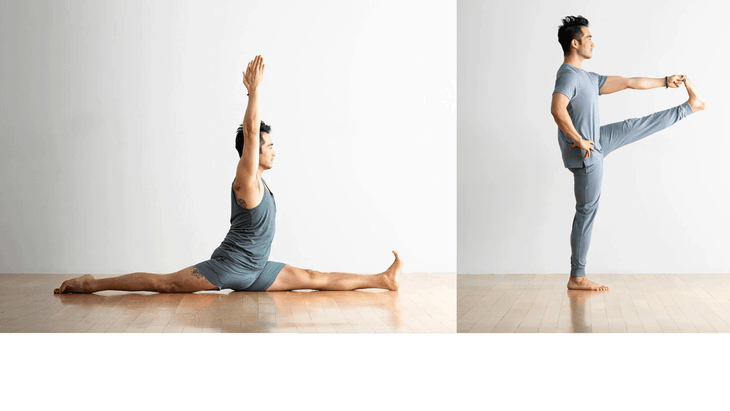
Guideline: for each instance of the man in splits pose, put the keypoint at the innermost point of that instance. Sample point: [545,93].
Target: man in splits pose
[241,261]
[584,142]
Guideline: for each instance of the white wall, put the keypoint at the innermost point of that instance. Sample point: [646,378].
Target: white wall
[119,117]
[664,200]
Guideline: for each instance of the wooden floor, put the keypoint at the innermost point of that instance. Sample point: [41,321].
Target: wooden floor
[425,303]
[634,303]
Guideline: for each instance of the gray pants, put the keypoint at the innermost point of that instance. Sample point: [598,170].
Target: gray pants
[588,179]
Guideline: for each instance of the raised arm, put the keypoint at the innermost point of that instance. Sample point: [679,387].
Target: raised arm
[559,110]
[617,83]
[247,186]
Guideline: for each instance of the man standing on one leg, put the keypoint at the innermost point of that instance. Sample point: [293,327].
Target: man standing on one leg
[584,143]
[241,261]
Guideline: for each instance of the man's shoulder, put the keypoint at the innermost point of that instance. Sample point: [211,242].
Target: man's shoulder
[567,68]
[566,80]
[566,71]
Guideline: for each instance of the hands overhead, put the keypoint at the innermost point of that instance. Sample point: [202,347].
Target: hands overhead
[254,74]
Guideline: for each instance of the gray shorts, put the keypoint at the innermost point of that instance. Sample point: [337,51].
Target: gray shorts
[223,273]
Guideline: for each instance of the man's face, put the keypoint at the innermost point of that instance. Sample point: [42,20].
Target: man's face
[266,158]
[585,45]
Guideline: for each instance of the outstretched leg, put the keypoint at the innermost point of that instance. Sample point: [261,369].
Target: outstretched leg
[616,135]
[188,280]
[293,278]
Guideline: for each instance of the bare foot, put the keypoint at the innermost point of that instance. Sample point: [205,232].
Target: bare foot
[392,274]
[582,283]
[76,285]
[695,100]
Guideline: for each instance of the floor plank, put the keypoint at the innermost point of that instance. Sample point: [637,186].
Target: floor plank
[640,303]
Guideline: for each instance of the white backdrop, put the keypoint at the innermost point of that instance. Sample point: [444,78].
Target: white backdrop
[664,200]
[119,118]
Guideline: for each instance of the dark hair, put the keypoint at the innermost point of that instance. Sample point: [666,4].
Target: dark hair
[571,30]
[265,128]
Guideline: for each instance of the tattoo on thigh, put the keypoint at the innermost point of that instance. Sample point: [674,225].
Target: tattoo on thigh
[196,274]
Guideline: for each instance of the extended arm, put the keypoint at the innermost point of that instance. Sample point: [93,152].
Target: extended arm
[247,186]
[559,110]
[617,83]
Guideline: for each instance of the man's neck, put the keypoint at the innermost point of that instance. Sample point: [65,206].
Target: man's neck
[574,60]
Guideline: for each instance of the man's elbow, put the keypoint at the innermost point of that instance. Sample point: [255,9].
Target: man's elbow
[250,129]
[555,112]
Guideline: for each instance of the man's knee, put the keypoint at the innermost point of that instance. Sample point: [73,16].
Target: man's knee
[588,207]
[313,277]
[167,284]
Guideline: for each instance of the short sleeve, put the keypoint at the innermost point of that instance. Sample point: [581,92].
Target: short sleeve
[566,83]
[601,80]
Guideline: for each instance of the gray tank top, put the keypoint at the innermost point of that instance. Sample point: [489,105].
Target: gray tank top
[248,242]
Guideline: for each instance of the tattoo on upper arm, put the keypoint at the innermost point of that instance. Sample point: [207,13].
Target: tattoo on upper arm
[239,201]
[195,273]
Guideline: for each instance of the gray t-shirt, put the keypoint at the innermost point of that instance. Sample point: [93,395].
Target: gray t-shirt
[582,88]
